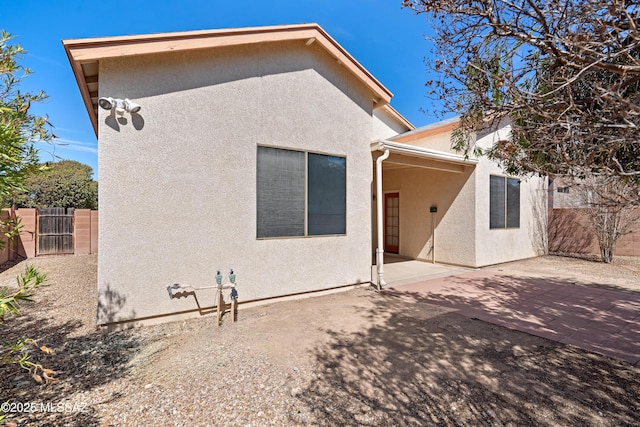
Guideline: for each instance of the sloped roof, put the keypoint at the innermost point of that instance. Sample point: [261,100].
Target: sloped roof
[84,54]
[427,130]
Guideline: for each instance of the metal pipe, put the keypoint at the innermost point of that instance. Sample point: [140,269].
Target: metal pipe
[433,237]
[179,288]
[380,213]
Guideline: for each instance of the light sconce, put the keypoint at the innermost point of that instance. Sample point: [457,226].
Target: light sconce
[120,105]
[131,106]
[106,103]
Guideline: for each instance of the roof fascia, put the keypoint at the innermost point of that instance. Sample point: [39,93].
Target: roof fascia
[395,147]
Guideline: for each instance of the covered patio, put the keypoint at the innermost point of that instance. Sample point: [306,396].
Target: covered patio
[420,219]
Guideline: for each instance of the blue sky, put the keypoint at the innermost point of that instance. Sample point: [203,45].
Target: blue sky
[388,40]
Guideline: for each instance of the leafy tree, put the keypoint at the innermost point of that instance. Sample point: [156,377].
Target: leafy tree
[64,184]
[566,73]
[19,129]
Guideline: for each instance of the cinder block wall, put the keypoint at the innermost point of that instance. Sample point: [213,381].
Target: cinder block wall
[94,232]
[571,232]
[85,233]
[9,249]
[27,241]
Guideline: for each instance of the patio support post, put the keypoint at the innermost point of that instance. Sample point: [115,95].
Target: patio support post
[380,221]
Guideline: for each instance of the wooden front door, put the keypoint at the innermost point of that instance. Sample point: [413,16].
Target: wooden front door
[392,222]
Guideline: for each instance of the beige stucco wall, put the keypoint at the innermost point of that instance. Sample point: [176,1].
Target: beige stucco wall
[178,181]
[500,245]
[384,125]
[440,142]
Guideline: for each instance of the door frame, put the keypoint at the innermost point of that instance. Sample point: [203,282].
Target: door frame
[387,247]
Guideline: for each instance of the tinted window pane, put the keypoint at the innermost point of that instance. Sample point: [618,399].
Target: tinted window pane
[513,202]
[327,193]
[497,202]
[280,192]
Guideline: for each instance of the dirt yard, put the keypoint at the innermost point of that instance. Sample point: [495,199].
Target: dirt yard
[623,273]
[351,358]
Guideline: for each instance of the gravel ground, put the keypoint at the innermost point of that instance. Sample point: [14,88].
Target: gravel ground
[623,273]
[351,358]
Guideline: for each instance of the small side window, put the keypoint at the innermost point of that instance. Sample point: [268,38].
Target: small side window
[504,202]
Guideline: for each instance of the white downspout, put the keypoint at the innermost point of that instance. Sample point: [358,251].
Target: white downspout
[380,219]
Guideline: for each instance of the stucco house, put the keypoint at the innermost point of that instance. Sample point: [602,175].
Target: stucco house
[256,149]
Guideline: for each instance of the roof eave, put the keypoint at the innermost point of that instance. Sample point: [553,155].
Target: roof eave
[421,152]
[76,66]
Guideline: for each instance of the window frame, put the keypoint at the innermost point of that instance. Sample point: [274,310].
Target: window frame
[306,153]
[506,204]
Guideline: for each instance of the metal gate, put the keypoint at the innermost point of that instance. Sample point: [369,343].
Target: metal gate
[55,231]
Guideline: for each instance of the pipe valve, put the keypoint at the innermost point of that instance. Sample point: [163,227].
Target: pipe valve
[172,288]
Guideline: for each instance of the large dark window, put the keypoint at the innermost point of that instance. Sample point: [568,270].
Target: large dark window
[286,207]
[327,197]
[281,196]
[504,199]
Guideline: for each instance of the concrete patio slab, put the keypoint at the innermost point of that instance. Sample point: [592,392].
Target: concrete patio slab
[598,320]
[399,271]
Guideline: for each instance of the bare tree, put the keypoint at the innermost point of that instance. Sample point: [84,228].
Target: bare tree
[565,72]
[605,200]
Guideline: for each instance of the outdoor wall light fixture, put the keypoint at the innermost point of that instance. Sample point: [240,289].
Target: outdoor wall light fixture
[219,278]
[120,105]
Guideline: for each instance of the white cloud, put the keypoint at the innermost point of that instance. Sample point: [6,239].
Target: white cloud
[70,144]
